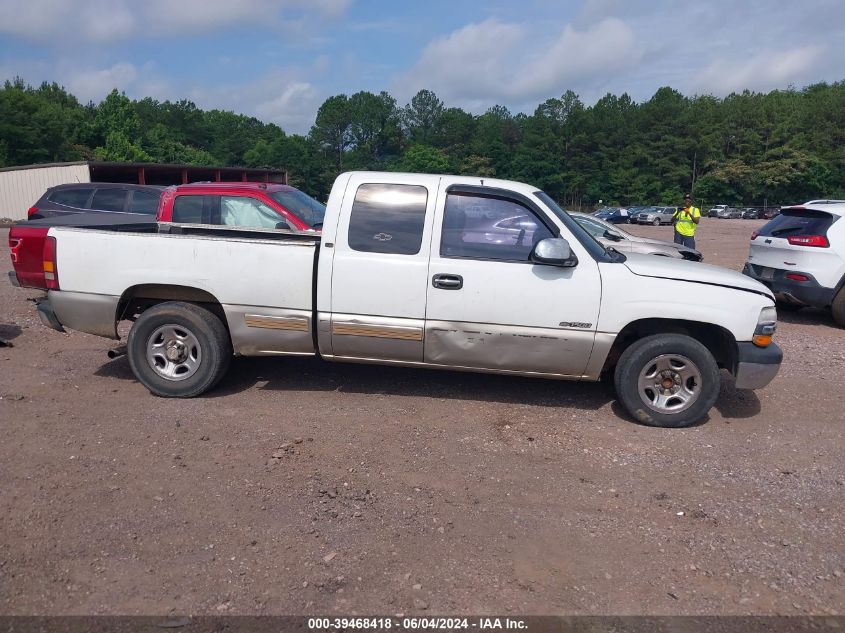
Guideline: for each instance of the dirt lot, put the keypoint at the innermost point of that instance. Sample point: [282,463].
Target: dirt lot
[304,487]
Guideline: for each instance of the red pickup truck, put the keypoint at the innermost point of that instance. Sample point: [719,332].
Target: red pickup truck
[235,204]
[242,204]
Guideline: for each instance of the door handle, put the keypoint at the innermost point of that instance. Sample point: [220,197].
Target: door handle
[448,282]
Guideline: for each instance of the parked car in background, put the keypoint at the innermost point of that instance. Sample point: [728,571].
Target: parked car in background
[99,197]
[616,237]
[800,255]
[656,215]
[750,214]
[719,211]
[614,215]
[242,204]
[736,214]
[769,213]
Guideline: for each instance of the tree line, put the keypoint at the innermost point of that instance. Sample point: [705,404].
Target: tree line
[781,147]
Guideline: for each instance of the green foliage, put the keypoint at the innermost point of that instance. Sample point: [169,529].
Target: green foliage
[422,159]
[782,147]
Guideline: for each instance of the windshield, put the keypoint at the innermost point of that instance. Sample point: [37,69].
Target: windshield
[302,206]
[597,250]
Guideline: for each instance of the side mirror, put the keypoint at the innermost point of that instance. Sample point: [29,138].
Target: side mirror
[613,236]
[554,251]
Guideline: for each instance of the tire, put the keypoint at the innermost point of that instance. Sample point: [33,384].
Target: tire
[682,359]
[178,350]
[656,222]
[837,306]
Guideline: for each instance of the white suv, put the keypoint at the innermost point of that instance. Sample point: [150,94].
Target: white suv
[800,255]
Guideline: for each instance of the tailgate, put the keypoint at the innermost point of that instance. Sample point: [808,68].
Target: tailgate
[27,246]
[796,240]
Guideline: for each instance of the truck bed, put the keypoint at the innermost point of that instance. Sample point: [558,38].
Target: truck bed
[268,304]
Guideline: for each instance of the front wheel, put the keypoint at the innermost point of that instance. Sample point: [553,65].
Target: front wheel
[178,350]
[667,380]
[656,222]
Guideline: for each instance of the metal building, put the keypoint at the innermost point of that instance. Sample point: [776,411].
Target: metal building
[20,187]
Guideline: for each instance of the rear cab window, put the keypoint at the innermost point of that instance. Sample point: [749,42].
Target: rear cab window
[388,218]
[798,221]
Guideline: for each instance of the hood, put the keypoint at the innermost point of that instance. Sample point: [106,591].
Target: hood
[694,272]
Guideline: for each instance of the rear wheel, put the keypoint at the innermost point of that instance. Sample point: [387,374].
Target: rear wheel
[667,380]
[178,350]
[838,307]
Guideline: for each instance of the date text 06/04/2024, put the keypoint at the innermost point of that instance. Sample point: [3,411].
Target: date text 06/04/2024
[416,624]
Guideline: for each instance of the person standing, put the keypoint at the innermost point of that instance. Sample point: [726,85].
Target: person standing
[686,220]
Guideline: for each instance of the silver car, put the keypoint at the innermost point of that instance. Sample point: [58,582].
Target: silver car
[656,215]
[612,235]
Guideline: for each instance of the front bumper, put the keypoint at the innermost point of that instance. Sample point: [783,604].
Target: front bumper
[807,293]
[756,366]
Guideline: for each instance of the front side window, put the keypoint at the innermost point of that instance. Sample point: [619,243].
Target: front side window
[77,198]
[302,206]
[248,212]
[388,218]
[489,228]
[109,199]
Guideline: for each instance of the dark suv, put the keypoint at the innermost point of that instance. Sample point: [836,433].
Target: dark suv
[105,197]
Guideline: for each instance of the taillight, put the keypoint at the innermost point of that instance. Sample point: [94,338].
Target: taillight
[31,211]
[754,235]
[797,277]
[808,240]
[51,270]
[14,245]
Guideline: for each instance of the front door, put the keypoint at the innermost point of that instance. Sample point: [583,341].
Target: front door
[489,307]
[380,268]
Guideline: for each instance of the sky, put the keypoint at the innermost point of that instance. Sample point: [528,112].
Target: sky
[279,60]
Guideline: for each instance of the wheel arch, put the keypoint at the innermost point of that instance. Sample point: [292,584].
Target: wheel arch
[138,298]
[718,340]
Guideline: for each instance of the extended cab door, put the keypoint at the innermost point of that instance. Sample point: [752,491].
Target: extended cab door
[489,307]
[379,271]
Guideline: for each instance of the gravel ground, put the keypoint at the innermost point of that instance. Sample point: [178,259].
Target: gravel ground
[302,487]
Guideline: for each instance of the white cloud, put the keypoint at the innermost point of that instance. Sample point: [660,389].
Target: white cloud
[114,20]
[510,63]
[95,84]
[763,71]
[293,108]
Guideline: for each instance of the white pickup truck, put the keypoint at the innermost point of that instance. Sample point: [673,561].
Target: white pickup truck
[447,272]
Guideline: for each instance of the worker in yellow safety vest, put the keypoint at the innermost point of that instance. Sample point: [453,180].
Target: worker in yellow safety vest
[686,220]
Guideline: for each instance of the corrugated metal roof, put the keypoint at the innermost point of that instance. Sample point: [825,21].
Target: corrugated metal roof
[103,163]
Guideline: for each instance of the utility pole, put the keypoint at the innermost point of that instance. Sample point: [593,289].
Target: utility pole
[694,157]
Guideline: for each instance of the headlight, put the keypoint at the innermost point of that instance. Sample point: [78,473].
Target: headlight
[767,323]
